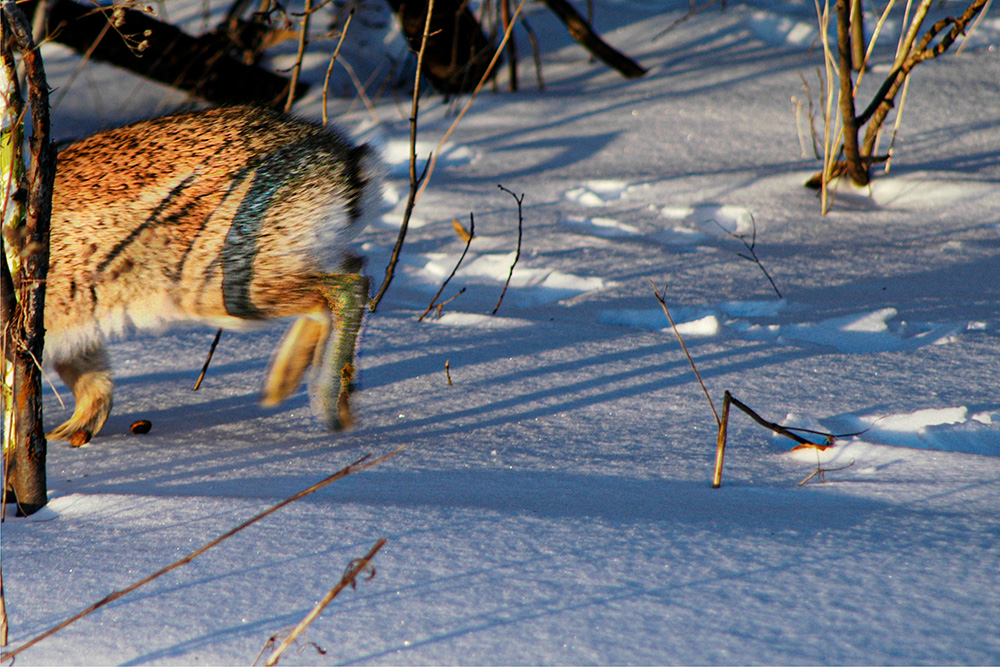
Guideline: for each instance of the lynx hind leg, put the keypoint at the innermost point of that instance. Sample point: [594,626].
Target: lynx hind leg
[88,375]
[326,343]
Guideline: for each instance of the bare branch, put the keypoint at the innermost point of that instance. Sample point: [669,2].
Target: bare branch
[517,254]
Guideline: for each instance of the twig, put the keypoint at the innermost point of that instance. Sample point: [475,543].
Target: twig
[439,308]
[349,579]
[468,241]
[362,463]
[882,102]
[812,116]
[821,473]
[411,200]
[512,49]
[690,13]
[208,359]
[303,44]
[720,443]
[751,249]
[517,254]
[447,371]
[777,428]
[666,311]
[333,59]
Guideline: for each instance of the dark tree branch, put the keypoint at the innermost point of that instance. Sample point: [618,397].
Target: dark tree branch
[584,34]
[202,65]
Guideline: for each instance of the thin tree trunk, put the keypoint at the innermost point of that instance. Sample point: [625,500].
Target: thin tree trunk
[25,330]
[857,169]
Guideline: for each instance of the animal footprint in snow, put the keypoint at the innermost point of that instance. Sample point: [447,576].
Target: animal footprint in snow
[607,228]
[597,193]
[714,219]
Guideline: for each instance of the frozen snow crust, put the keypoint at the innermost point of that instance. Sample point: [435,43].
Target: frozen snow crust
[554,505]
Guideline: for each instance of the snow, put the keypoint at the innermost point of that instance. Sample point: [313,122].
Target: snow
[553,504]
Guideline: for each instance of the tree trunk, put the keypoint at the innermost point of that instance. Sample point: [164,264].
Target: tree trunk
[857,169]
[24,328]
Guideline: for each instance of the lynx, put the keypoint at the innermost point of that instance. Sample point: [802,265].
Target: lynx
[229,217]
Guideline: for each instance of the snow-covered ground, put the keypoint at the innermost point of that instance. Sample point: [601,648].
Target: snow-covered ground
[554,502]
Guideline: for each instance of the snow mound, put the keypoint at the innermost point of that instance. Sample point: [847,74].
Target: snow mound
[858,333]
[950,429]
[597,192]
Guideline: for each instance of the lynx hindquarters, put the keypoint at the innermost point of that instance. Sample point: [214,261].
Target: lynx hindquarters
[229,217]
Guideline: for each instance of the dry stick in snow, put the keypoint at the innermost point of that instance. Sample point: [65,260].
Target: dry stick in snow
[355,568]
[468,235]
[723,421]
[535,52]
[362,463]
[208,359]
[517,254]
[821,472]
[777,428]
[3,613]
[411,199]
[666,311]
[512,51]
[439,308]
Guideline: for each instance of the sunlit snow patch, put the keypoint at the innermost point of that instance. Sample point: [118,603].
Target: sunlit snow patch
[478,321]
[528,286]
